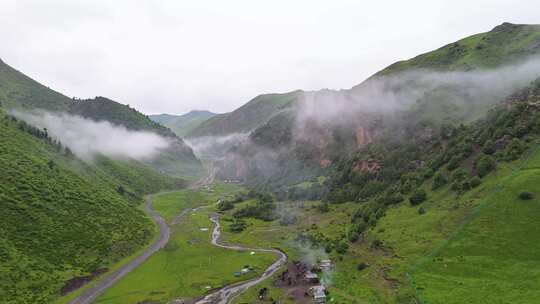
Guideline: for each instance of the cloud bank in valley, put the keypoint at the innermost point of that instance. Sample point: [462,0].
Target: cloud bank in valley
[88,138]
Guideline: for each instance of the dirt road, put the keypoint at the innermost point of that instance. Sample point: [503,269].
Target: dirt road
[92,293]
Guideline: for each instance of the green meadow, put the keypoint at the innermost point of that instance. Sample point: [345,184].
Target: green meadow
[189,266]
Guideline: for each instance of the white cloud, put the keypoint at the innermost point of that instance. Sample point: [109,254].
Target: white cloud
[173,56]
[87,138]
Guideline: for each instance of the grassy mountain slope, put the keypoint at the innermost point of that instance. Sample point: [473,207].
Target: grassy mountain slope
[62,218]
[17,89]
[101,108]
[248,117]
[440,220]
[447,103]
[177,160]
[182,124]
[506,43]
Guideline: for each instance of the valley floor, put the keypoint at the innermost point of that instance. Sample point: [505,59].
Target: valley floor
[189,266]
[478,247]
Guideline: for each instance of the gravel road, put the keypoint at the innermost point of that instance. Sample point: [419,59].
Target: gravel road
[92,293]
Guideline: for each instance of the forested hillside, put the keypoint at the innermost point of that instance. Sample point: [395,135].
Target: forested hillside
[62,218]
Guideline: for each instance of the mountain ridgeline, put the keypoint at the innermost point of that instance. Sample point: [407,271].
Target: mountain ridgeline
[298,135]
[182,124]
[19,92]
[432,163]
[438,156]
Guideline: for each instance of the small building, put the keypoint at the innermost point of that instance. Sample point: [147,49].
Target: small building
[311,277]
[319,294]
[325,265]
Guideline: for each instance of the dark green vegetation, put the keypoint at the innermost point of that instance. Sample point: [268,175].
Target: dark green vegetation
[434,203]
[66,221]
[182,124]
[61,217]
[422,187]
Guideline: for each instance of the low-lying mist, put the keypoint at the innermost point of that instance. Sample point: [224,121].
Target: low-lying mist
[212,147]
[386,94]
[88,138]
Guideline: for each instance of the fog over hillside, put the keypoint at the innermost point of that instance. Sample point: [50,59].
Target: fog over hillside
[399,91]
[87,138]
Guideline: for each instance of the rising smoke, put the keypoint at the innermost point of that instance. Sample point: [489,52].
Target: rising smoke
[88,138]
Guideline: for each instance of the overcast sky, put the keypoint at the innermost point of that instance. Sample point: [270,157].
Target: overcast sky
[174,56]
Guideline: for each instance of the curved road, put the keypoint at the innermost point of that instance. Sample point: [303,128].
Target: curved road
[227,293]
[92,293]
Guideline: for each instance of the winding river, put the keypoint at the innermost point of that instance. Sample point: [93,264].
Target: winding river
[229,292]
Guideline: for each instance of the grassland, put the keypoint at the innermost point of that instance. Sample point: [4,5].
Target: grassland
[494,258]
[478,247]
[56,214]
[189,266]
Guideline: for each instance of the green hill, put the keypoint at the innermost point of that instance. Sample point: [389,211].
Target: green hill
[101,108]
[182,124]
[66,220]
[248,117]
[177,160]
[428,95]
[63,218]
[17,89]
[504,44]
[20,92]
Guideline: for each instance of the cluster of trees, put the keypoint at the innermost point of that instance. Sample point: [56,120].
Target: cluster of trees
[458,156]
[316,241]
[41,134]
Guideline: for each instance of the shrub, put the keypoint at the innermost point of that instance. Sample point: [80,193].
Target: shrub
[225,205]
[376,244]
[421,210]
[439,180]
[342,247]
[525,195]
[354,236]
[323,207]
[454,162]
[418,197]
[361,266]
[288,219]
[484,164]
[459,176]
[237,226]
[391,199]
[489,147]
[475,182]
